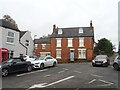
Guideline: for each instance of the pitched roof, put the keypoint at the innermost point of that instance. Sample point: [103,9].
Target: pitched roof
[22,33]
[45,40]
[74,32]
[6,24]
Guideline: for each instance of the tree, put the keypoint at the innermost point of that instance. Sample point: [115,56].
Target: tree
[9,19]
[104,46]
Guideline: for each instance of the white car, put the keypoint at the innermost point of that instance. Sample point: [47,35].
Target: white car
[44,61]
[29,58]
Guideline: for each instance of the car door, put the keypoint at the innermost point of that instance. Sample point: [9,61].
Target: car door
[18,65]
[47,61]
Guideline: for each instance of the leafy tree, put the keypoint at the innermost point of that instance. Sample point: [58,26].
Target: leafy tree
[104,46]
[9,19]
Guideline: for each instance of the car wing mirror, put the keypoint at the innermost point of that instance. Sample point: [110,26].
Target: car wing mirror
[14,63]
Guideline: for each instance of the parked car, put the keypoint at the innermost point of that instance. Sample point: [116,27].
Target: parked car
[101,60]
[116,63]
[15,65]
[29,58]
[44,61]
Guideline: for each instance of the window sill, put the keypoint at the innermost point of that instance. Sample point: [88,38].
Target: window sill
[10,43]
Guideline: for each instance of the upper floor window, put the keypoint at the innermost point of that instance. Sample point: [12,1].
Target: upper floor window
[43,46]
[10,37]
[59,31]
[36,45]
[69,42]
[80,30]
[81,42]
[58,42]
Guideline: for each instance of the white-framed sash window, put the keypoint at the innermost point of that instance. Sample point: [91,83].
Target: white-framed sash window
[82,53]
[58,41]
[58,53]
[81,42]
[70,44]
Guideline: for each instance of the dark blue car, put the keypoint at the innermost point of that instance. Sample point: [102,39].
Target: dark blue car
[15,65]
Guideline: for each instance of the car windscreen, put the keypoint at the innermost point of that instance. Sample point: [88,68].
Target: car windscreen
[40,58]
[10,60]
[100,57]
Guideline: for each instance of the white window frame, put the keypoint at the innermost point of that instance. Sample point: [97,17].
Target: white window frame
[83,53]
[58,42]
[36,45]
[59,31]
[70,42]
[58,55]
[43,46]
[80,30]
[81,42]
[10,37]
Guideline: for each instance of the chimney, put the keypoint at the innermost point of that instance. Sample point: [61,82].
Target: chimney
[91,23]
[54,28]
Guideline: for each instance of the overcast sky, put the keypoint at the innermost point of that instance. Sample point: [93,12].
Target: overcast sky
[38,16]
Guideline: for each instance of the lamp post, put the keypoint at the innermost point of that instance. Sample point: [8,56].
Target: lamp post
[34,43]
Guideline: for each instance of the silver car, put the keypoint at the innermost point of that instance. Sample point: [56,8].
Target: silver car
[116,63]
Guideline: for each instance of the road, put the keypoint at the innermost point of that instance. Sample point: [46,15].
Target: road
[71,75]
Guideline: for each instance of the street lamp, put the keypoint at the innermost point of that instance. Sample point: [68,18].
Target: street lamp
[34,43]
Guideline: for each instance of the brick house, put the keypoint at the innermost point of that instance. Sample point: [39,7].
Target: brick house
[70,44]
[42,46]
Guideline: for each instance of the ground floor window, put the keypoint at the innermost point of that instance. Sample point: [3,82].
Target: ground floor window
[82,53]
[58,53]
[44,53]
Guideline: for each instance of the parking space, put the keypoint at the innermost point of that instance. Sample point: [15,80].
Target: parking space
[72,75]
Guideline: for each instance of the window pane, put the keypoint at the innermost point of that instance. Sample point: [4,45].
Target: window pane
[59,43]
[10,40]
[11,34]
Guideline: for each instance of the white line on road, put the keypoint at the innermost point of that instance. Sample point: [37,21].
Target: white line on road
[92,81]
[61,71]
[43,84]
[65,69]
[107,83]
[47,75]
[96,75]
[78,71]
[31,72]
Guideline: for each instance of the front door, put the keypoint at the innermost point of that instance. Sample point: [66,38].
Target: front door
[71,55]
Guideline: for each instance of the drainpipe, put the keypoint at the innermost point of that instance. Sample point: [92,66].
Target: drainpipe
[24,46]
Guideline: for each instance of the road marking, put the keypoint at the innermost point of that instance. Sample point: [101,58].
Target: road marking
[107,83]
[31,72]
[47,75]
[44,84]
[61,71]
[78,71]
[96,75]
[65,69]
[92,81]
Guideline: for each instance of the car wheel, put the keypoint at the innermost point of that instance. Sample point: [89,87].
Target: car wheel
[116,67]
[54,64]
[42,66]
[29,68]
[4,72]
[93,65]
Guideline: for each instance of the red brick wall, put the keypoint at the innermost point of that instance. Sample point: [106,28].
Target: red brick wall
[65,53]
[39,49]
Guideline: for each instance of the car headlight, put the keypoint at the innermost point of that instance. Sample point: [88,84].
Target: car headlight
[93,61]
[0,66]
[104,61]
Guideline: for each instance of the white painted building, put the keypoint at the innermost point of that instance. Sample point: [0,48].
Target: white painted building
[12,39]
